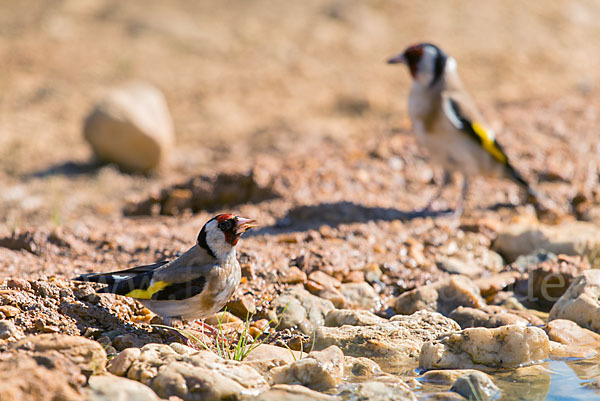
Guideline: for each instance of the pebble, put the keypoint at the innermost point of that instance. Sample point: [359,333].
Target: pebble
[476,386]
[580,302]
[570,333]
[303,310]
[442,296]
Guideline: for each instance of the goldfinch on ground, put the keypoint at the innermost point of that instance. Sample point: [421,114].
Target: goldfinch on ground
[193,286]
[446,121]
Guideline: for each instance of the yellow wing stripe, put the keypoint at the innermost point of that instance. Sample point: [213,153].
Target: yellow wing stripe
[147,293]
[489,144]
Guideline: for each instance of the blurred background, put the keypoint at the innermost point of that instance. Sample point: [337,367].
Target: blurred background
[249,77]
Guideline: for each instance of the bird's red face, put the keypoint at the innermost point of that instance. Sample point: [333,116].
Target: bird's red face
[425,61]
[233,226]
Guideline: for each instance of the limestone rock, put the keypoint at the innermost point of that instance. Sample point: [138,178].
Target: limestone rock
[562,351]
[131,127]
[294,392]
[442,296]
[445,376]
[23,378]
[199,376]
[304,311]
[581,302]
[493,316]
[396,343]
[476,386]
[573,238]
[120,364]
[87,354]
[570,333]
[379,391]
[341,317]
[113,388]
[360,296]
[320,370]
[479,348]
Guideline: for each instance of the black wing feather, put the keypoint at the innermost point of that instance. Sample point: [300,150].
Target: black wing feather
[123,281]
[179,291]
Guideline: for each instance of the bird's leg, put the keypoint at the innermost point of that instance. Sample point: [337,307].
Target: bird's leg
[441,183]
[210,330]
[464,191]
[170,322]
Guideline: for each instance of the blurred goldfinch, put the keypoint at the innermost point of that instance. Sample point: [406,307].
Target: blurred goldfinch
[193,286]
[446,121]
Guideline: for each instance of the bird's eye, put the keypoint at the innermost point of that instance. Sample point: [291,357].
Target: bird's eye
[226,225]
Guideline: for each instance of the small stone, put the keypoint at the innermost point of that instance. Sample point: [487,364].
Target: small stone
[489,286]
[342,317]
[502,347]
[320,370]
[581,302]
[19,284]
[570,333]
[131,127]
[9,311]
[572,238]
[293,275]
[242,307]
[442,296]
[445,377]
[373,273]
[8,330]
[120,364]
[379,391]
[476,386]
[354,276]
[222,318]
[324,279]
[562,351]
[303,310]
[293,392]
[110,388]
[457,266]
[127,340]
[360,296]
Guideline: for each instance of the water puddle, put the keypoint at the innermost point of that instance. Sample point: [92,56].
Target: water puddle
[555,380]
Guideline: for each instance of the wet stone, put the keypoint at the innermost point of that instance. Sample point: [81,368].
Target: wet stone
[476,386]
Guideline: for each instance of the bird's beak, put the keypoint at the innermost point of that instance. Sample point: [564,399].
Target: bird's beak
[398,59]
[242,225]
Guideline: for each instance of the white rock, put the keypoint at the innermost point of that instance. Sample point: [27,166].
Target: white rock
[113,388]
[580,303]
[394,344]
[573,238]
[131,127]
[480,348]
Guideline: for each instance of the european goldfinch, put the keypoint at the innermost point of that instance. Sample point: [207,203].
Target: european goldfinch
[193,286]
[447,123]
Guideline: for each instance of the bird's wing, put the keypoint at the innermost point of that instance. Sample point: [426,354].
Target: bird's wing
[179,279]
[463,114]
[112,277]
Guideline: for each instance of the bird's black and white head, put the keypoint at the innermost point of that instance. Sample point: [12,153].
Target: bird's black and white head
[220,235]
[425,61]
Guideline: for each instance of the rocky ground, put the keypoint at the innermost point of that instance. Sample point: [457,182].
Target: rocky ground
[356,292]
